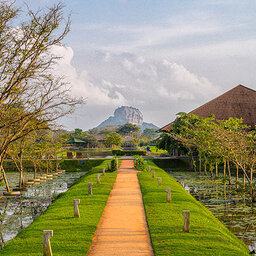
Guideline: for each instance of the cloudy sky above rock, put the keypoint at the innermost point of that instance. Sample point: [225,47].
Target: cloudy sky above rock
[161,56]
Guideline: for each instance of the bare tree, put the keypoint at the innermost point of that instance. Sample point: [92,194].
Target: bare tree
[31,97]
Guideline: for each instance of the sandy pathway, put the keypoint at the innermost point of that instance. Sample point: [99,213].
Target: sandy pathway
[123,228]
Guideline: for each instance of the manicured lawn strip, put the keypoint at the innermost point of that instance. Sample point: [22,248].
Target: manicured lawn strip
[71,236]
[165,220]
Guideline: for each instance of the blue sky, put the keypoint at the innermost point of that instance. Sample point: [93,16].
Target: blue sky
[160,56]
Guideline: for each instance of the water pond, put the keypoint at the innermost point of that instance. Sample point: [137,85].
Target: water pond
[230,206]
[17,213]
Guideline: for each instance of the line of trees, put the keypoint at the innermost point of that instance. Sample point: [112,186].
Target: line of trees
[212,142]
[115,135]
[32,98]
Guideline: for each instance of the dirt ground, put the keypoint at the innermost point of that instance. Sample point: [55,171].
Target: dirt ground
[122,229]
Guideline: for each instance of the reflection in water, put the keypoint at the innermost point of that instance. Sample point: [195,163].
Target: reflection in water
[230,206]
[17,213]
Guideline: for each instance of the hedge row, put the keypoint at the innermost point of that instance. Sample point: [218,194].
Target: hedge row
[120,152]
[71,165]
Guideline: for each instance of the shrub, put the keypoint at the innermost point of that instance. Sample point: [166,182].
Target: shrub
[113,165]
[140,164]
[74,165]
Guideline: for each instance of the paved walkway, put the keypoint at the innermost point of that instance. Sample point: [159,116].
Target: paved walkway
[123,229]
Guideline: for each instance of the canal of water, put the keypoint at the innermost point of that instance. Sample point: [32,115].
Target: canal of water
[18,212]
[231,207]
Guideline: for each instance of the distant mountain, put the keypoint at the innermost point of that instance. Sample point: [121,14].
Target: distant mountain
[127,114]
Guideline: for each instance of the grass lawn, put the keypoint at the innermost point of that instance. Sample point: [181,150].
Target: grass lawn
[155,151]
[71,236]
[165,220]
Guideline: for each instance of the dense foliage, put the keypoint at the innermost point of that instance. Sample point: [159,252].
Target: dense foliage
[228,142]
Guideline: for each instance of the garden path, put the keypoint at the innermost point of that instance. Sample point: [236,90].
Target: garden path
[123,229]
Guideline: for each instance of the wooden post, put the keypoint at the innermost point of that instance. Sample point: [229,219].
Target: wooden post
[98,178]
[103,171]
[90,188]
[149,168]
[47,234]
[76,209]
[168,191]
[108,167]
[186,214]
[153,174]
[159,181]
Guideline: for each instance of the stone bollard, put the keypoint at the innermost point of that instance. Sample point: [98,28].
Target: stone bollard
[159,181]
[153,174]
[103,171]
[186,214]
[168,191]
[76,209]
[90,188]
[149,168]
[47,234]
[98,178]
[108,167]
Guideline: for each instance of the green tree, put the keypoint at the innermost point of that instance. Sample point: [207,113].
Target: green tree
[128,129]
[149,133]
[113,139]
[78,132]
[168,143]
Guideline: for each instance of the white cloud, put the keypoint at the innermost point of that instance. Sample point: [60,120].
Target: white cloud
[126,79]
[132,38]
[83,84]
[190,82]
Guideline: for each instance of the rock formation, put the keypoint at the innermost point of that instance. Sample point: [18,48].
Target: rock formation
[127,114]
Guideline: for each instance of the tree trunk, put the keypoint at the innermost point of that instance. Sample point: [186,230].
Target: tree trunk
[244,180]
[229,173]
[47,166]
[34,170]
[251,187]
[224,170]
[216,169]
[251,180]
[237,176]
[21,171]
[18,167]
[5,179]
[205,165]
[193,160]
[57,163]
[200,165]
